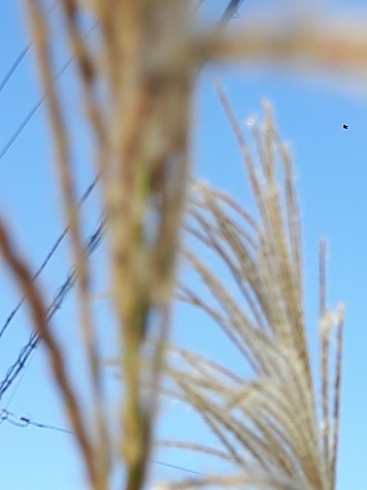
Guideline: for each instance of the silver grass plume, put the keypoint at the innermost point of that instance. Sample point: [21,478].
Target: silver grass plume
[273,427]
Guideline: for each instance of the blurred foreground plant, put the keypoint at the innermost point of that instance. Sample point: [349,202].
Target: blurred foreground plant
[137,101]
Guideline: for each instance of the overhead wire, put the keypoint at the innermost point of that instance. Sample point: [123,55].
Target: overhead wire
[49,256]
[23,422]
[14,66]
[28,353]
[91,245]
[20,379]
[27,350]
[32,343]
[21,55]
[4,150]
[176,467]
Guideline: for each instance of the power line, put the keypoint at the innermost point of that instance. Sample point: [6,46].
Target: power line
[21,55]
[23,422]
[93,242]
[30,114]
[27,350]
[90,246]
[34,109]
[14,66]
[12,140]
[49,256]
[20,379]
[176,467]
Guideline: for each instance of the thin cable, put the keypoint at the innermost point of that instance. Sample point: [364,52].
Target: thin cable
[23,422]
[21,55]
[23,373]
[14,66]
[34,109]
[175,467]
[30,114]
[49,255]
[13,372]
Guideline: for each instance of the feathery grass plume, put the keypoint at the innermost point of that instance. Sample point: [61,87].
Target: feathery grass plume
[267,424]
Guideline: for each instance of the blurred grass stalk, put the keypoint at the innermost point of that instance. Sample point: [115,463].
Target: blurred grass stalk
[308,42]
[148,57]
[141,129]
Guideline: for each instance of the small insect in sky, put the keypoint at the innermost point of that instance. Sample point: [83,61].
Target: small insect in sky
[345,126]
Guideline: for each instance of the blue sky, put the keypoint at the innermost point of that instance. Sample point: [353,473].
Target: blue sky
[331,168]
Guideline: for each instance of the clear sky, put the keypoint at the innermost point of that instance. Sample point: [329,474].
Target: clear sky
[331,168]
